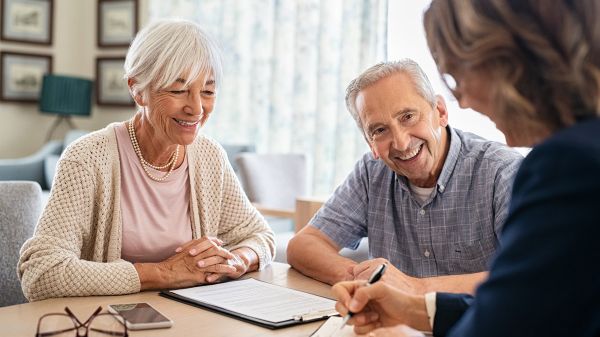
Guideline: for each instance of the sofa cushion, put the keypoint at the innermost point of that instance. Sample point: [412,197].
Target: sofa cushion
[73,135]
[50,168]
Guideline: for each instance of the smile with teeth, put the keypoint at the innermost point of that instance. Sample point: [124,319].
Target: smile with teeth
[410,154]
[185,123]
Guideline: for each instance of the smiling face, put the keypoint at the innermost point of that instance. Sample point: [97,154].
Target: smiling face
[175,114]
[403,129]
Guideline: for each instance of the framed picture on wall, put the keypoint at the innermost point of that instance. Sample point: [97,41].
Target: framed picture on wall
[28,21]
[117,22]
[21,76]
[111,87]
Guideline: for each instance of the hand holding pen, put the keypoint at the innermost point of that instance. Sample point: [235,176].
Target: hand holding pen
[376,276]
[379,305]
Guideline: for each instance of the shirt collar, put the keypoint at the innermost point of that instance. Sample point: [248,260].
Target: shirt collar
[449,163]
[451,159]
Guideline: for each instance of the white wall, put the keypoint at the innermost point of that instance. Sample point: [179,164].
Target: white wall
[23,128]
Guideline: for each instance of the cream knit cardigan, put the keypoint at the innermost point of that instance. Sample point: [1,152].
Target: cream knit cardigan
[76,247]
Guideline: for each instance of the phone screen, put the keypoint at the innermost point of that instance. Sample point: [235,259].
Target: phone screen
[139,313]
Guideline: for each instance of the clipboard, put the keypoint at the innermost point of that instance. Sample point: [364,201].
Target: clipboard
[232,287]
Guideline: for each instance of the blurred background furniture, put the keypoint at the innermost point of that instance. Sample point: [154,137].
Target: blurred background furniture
[40,166]
[277,185]
[272,182]
[65,96]
[20,208]
[233,150]
[306,207]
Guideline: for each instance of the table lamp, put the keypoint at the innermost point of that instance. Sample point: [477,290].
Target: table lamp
[65,96]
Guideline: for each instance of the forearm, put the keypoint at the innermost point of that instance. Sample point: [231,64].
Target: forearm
[47,270]
[78,278]
[464,283]
[317,259]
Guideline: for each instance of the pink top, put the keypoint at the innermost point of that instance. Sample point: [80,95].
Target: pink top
[156,215]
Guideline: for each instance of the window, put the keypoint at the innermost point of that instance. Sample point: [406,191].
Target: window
[406,39]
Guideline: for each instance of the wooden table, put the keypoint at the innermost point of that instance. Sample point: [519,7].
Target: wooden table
[21,320]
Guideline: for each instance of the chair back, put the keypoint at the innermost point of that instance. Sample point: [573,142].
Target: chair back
[20,208]
[233,150]
[273,180]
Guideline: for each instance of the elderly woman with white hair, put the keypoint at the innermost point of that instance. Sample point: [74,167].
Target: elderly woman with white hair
[149,203]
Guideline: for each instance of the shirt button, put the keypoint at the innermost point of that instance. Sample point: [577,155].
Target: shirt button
[426,253]
[442,188]
[422,212]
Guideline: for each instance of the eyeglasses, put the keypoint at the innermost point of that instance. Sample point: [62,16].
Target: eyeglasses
[67,325]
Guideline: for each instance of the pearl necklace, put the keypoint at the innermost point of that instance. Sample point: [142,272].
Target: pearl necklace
[136,147]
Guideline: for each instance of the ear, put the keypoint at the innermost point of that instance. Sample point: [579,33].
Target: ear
[137,97]
[441,110]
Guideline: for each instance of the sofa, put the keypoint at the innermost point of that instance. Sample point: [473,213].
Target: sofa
[40,166]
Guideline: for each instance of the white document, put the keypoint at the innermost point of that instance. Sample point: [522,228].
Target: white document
[331,328]
[261,300]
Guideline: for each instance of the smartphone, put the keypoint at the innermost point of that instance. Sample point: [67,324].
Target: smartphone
[140,316]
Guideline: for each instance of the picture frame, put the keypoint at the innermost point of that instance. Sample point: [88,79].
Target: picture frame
[21,76]
[117,22]
[111,87]
[27,21]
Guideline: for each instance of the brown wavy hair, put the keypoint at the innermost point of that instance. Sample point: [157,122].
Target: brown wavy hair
[543,56]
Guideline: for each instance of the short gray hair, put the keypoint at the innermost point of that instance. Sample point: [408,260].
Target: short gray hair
[383,70]
[169,49]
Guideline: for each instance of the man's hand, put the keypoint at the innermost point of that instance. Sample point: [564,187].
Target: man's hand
[392,276]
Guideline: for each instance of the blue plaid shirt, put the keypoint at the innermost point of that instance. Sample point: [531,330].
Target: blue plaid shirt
[455,231]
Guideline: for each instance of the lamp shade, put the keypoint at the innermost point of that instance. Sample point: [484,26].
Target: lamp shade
[65,95]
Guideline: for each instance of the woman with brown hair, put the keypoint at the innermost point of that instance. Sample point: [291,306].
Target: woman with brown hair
[533,67]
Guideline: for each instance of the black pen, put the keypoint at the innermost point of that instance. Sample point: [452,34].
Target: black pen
[376,276]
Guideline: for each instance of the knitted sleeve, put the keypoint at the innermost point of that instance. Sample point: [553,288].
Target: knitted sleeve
[241,225]
[63,257]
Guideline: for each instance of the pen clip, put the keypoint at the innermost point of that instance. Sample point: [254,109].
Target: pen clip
[315,314]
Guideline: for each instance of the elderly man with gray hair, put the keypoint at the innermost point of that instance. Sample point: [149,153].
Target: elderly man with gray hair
[431,199]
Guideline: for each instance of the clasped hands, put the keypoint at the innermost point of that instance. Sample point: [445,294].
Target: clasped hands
[203,261]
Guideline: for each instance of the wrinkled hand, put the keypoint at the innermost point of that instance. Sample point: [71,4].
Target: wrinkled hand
[219,266]
[188,267]
[392,276]
[379,305]
[237,262]
[396,331]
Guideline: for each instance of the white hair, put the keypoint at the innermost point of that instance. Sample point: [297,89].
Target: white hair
[383,70]
[168,49]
